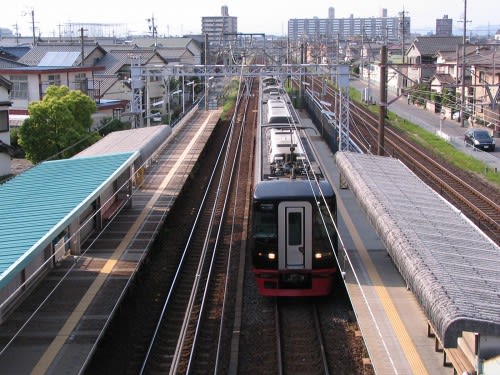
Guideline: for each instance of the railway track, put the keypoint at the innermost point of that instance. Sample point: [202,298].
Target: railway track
[482,208]
[299,338]
[458,187]
[127,341]
[189,335]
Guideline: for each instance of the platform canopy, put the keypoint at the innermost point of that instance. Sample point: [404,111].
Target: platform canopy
[451,266]
[37,205]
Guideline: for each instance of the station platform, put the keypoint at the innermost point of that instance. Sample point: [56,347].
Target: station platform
[393,324]
[57,328]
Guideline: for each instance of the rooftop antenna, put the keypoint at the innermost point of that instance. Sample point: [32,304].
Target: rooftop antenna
[152,28]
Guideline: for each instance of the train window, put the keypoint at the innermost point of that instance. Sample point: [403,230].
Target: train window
[265,223]
[295,228]
[319,230]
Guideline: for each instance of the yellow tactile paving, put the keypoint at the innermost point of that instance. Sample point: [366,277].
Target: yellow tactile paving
[404,338]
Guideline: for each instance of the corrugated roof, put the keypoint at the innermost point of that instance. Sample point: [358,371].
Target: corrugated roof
[39,203]
[450,265]
[144,140]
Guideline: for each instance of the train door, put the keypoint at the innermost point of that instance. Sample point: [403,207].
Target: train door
[294,235]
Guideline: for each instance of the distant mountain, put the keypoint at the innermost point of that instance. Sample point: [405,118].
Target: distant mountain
[482,30]
[5,32]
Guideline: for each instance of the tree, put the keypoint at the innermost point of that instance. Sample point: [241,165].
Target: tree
[109,125]
[449,97]
[58,126]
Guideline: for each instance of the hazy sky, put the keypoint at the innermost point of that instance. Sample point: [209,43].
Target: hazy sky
[254,16]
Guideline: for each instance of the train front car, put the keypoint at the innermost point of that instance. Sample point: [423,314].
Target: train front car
[294,208]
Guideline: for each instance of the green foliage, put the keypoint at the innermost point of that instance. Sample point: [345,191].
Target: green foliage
[435,97]
[58,126]
[230,95]
[14,142]
[449,97]
[420,93]
[436,144]
[444,149]
[109,125]
[14,137]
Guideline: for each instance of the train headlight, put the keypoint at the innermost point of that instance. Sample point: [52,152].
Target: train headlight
[318,255]
[271,256]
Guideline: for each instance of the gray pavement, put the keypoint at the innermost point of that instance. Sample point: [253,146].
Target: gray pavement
[449,129]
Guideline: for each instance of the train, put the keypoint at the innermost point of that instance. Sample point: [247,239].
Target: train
[293,219]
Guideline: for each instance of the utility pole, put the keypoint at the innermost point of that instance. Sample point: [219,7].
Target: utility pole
[464,40]
[403,31]
[82,44]
[32,13]
[33,25]
[152,28]
[16,27]
[338,48]
[383,100]
[206,77]
[362,52]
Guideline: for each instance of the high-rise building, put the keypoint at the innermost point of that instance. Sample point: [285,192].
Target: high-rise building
[220,29]
[331,12]
[444,26]
[331,28]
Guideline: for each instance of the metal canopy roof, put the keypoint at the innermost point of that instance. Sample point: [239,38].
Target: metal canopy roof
[145,140]
[39,203]
[450,265]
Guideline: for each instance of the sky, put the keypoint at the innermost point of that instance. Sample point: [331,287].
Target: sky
[173,18]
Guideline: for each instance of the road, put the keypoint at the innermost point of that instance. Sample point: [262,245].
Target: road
[450,129]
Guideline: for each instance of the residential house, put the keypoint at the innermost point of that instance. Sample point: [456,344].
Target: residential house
[115,81]
[30,83]
[63,54]
[441,81]
[481,79]
[5,148]
[485,85]
[183,51]
[423,53]
[102,71]
[50,64]
[13,53]
[394,76]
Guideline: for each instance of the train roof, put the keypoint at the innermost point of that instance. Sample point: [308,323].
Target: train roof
[451,266]
[278,112]
[291,189]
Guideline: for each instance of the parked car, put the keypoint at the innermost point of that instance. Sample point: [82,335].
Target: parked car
[479,138]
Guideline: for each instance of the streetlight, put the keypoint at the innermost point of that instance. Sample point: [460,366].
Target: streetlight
[207,83]
[169,112]
[192,83]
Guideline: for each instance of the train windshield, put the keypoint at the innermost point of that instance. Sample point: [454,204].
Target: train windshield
[264,220]
[321,218]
